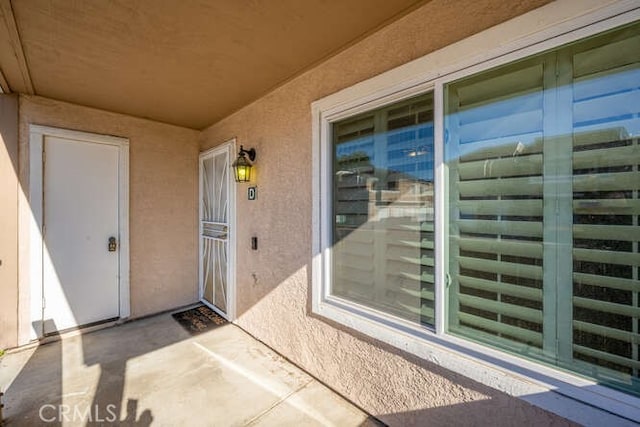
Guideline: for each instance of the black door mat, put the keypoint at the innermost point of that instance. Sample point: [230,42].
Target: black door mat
[199,319]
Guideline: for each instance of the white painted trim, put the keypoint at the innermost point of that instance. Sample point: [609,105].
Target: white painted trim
[78,135]
[326,217]
[318,220]
[31,307]
[439,203]
[123,222]
[199,236]
[232,255]
[228,147]
[35,243]
[556,23]
[550,26]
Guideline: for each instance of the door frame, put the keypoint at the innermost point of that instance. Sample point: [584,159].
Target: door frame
[230,148]
[31,238]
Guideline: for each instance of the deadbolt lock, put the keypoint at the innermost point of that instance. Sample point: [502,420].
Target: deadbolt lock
[112,244]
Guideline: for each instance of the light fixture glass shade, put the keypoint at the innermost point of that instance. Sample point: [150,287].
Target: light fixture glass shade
[242,168]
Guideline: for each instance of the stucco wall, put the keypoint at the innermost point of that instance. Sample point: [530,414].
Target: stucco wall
[274,282]
[8,220]
[163,192]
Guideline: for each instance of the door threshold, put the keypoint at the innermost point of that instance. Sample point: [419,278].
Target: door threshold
[79,330]
[216,309]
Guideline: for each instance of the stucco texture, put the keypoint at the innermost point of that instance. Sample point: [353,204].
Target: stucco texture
[274,283]
[163,197]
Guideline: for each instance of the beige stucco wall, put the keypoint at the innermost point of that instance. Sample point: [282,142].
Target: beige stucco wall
[163,199]
[8,220]
[274,282]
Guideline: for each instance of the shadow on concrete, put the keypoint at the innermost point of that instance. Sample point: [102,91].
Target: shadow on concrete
[44,392]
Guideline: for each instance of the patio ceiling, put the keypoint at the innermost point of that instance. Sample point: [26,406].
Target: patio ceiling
[184,62]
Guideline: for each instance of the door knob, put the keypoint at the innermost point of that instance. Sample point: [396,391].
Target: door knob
[112,244]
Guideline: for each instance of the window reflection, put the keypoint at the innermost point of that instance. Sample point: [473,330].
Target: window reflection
[544,177]
[383,206]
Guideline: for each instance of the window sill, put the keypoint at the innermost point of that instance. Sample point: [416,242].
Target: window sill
[569,396]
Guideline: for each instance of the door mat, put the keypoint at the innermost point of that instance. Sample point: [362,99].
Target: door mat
[199,319]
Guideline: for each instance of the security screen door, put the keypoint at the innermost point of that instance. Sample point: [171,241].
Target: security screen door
[215,188]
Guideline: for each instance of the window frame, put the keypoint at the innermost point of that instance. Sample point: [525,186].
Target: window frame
[548,27]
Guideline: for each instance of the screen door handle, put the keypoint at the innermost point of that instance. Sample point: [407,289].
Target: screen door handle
[112,244]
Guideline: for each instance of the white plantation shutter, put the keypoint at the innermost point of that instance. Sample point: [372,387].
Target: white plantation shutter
[496,206]
[383,205]
[354,155]
[606,206]
[544,179]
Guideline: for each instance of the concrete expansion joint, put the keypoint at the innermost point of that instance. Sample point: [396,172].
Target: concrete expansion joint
[255,419]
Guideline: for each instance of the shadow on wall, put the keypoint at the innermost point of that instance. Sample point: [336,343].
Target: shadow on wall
[480,405]
[496,411]
[54,401]
[467,414]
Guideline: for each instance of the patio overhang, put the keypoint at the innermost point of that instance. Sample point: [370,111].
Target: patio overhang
[184,63]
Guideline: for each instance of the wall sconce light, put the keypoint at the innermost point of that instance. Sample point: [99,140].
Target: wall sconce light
[242,166]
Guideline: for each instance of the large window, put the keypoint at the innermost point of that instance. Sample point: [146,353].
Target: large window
[543,159]
[488,214]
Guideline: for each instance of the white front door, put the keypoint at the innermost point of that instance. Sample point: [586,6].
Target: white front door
[216,231]
[80,214]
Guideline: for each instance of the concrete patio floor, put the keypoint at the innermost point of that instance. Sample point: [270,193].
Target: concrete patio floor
[153,372]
